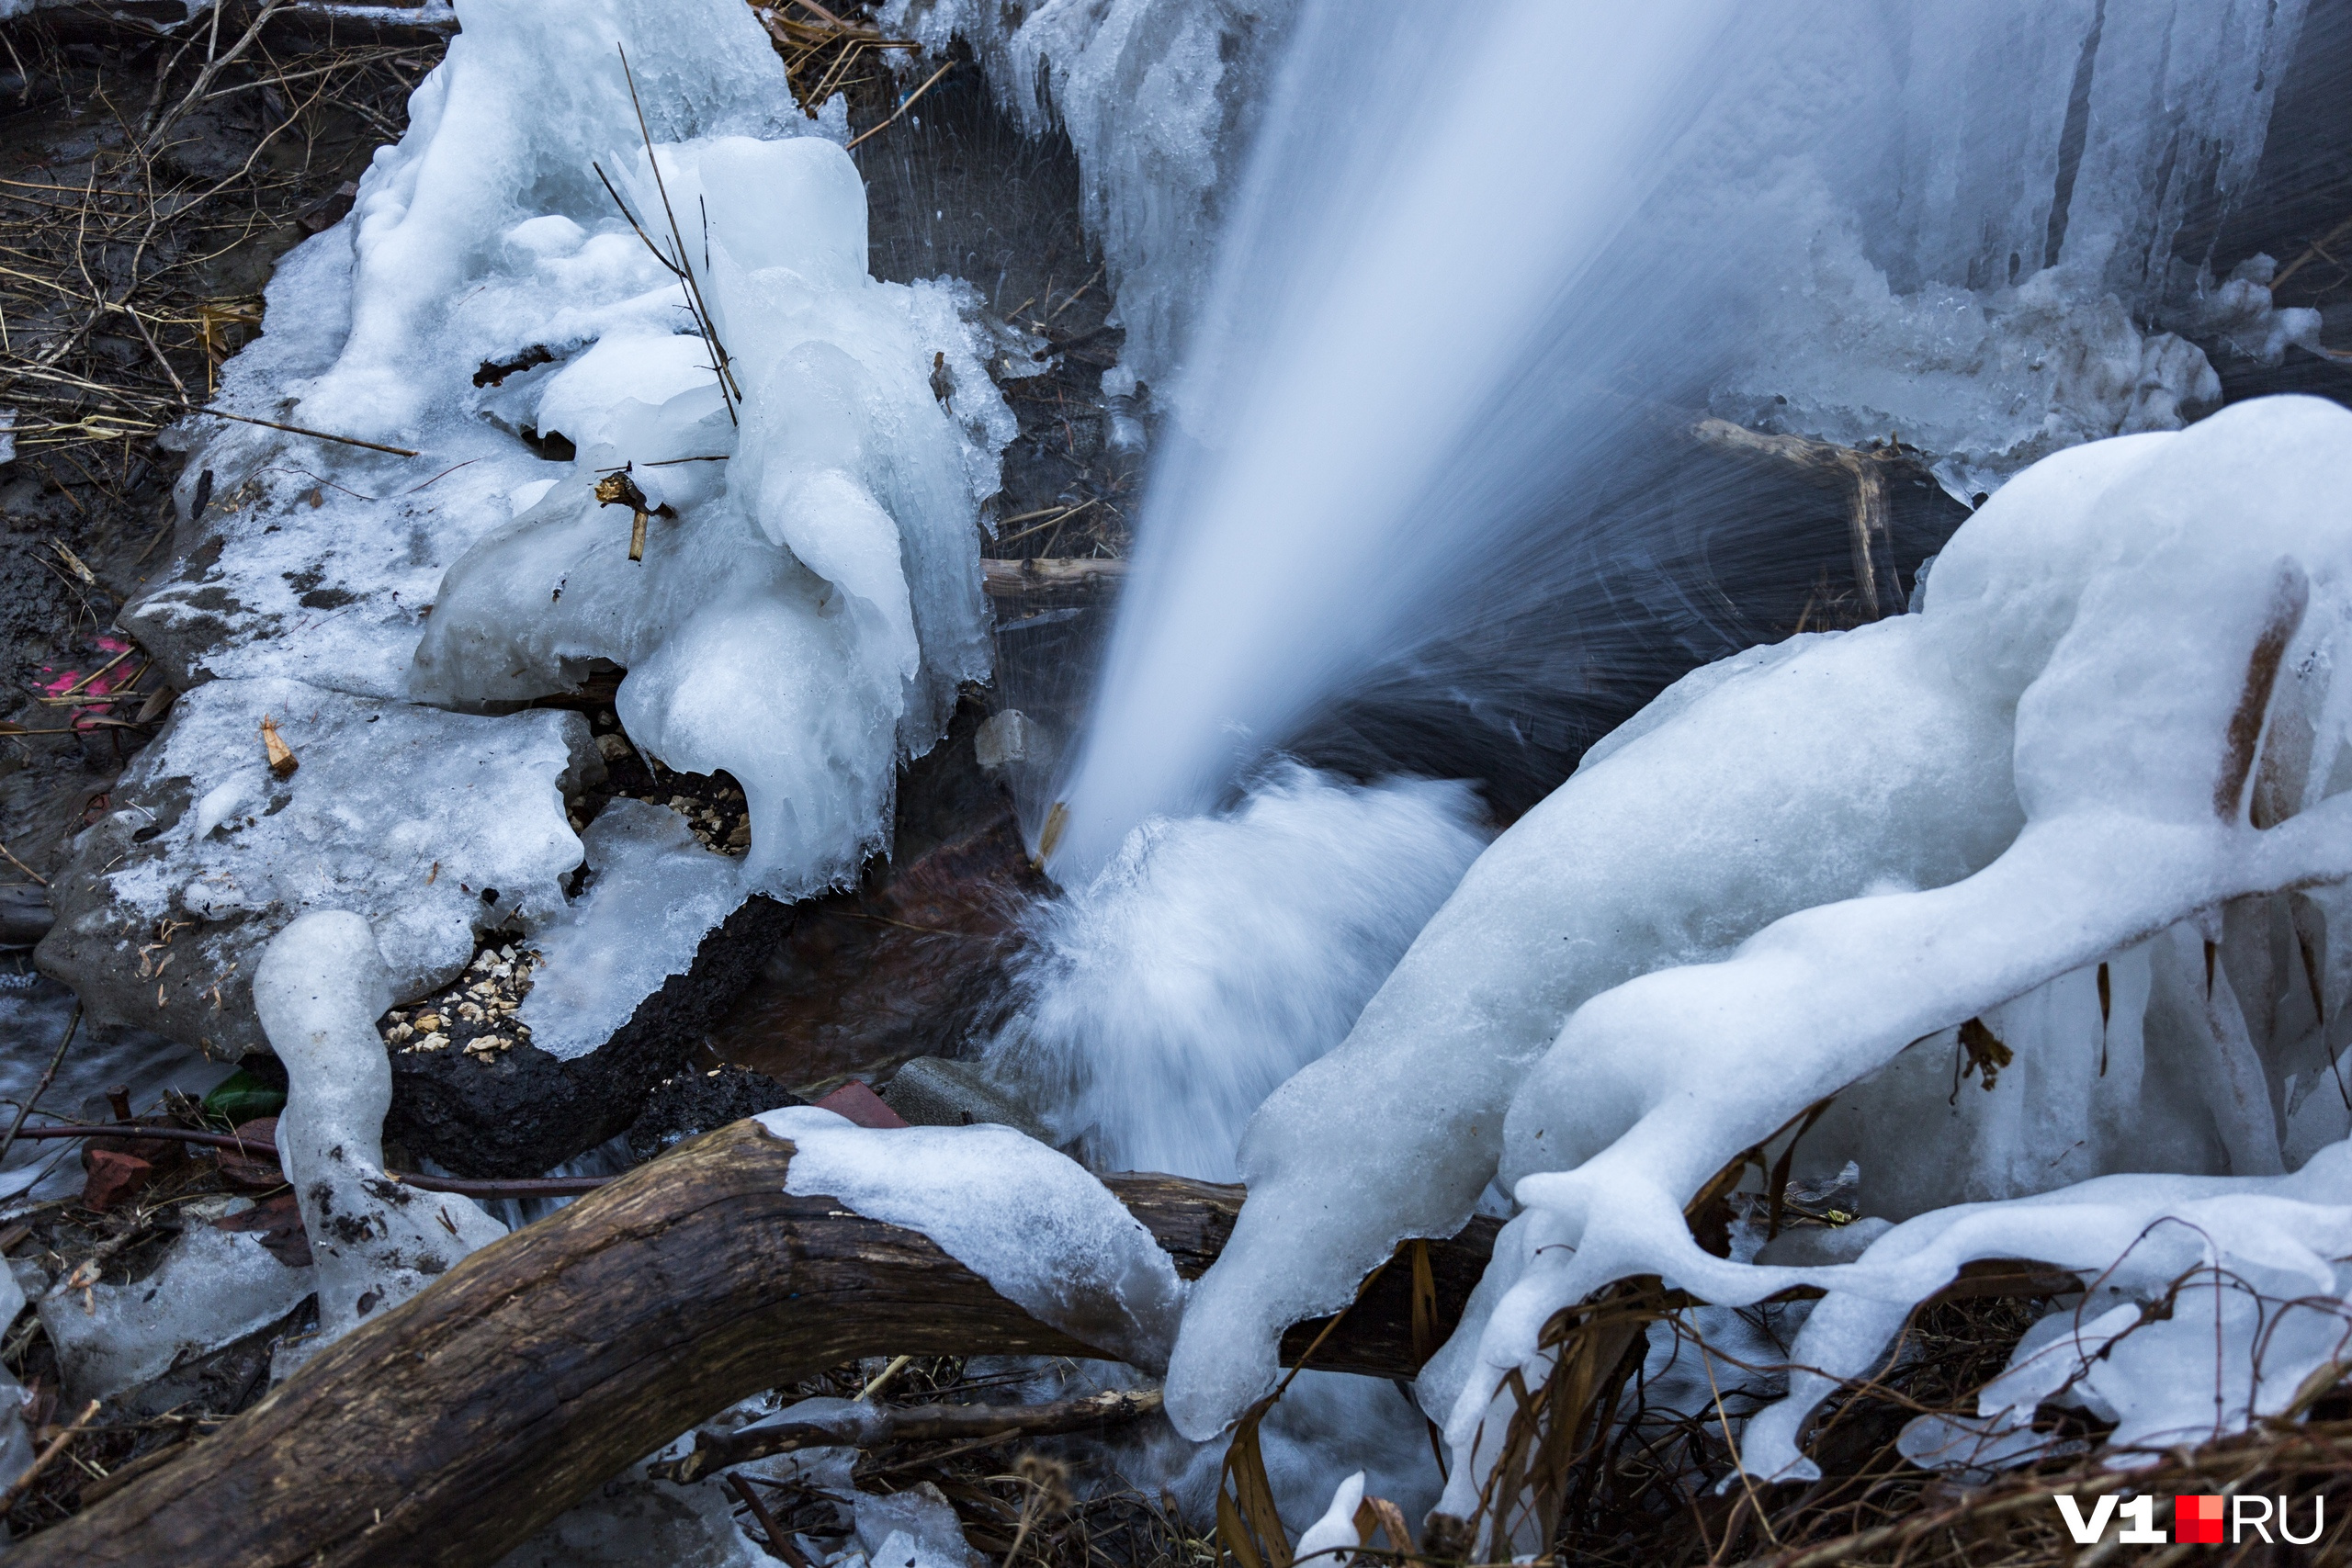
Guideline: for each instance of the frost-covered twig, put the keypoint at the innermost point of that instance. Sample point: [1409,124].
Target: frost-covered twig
[678,263]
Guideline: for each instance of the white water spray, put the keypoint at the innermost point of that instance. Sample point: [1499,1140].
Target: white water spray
[1216,956]
[1475,272]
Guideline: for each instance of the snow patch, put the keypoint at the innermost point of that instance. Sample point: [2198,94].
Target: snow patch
[1035,1224]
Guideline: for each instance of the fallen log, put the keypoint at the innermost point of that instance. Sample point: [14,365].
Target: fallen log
[453,1428]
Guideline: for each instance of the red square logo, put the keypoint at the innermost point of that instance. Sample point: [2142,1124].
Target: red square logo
[2197,1520]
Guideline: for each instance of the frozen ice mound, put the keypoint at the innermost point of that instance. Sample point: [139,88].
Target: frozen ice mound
[1033,1223]
[655,893]
[1214,957]
[434,826]
[809,597]
[2082,797]
[375,1242]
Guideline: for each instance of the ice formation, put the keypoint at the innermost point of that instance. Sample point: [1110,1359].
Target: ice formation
[211,1288]
[434,826]
[654,894]
[2245,1264]
[2107,740]
[808,596]
[1216,956]
[805,615]
[914,1529]
[321,986]
[633,1519]
[16,1443]
[1334,1536]
[1033,1223]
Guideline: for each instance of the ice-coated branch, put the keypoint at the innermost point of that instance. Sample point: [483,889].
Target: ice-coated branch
[320,987]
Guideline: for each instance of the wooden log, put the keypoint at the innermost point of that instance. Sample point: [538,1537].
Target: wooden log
[1047,574]
[452,1429]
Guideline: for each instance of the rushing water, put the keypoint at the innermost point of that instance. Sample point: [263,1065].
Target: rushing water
[1481,278]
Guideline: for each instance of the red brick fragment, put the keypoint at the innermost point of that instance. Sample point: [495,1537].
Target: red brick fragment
[861,1105]
[114,1179]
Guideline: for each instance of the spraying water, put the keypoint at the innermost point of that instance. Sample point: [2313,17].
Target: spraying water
[1216,956]
[1480,278]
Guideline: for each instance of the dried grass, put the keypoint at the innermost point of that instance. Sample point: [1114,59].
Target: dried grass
[127,271]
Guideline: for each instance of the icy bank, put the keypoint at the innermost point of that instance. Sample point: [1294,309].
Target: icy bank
[493,338]
[2084,797]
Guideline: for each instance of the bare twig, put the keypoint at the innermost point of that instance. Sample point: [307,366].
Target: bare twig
[904,105]
[320,434]
[66,1435]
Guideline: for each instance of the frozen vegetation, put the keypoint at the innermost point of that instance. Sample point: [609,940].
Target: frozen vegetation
[2083,801]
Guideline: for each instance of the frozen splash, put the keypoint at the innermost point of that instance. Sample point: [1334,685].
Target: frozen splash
[1214,956]
[1440,323]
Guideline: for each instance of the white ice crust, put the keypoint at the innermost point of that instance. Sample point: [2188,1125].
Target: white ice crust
[656,893]
[211,1287]
[1852,845]
[402,813]
[1035,1224]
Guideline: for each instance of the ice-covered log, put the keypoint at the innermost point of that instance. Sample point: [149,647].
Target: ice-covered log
[2074,823]
[455,1427]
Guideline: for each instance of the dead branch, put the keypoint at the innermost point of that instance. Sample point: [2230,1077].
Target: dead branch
[455,1427]
[1011,579]
[884,1424]
[1870,515]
